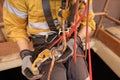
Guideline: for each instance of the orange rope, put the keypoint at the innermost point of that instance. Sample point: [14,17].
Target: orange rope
[51,67]
[73,28]
[64,35]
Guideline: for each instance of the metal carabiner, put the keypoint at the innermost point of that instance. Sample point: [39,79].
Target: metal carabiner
[47,36]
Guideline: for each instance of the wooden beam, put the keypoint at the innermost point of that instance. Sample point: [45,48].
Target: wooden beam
[1,24]
[9,55]
[10,61]
[7,48]
[114,30]
[110,41]
[2,37]
[100,13]
[108,56]
[1,6]
[112,19]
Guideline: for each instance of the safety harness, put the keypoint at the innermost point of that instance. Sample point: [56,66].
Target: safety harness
[49,18]
[53,27]
[48,15]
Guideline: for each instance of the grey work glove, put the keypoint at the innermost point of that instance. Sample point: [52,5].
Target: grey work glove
[27,60]
[79,42]
[70,49]
[63,56]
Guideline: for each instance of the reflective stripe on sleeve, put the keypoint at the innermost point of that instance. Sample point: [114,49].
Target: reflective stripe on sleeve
[84,1]
[39,25]
[14,10]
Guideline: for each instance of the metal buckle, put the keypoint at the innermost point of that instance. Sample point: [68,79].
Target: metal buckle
[47,36]
[66,30]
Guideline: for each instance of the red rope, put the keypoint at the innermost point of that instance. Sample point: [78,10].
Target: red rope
[88,41]
[75,32]
[74,29]
[68,34]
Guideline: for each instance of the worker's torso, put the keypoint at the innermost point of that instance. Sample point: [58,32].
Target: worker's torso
[36,18]
[35,10]
[30,14]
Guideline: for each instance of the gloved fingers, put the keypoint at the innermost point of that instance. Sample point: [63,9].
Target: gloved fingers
[70,44]
[27,73]
[67,53]
[56,52]
[26,62]
[63,56]
[26,68]
[79,42]
[25,53]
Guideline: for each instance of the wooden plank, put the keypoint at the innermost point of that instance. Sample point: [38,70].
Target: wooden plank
[2,37]
[110,41]
[10,61]
[1,24]
[9,55]
[114,30]
[108,56]
[113,19]
[7,48]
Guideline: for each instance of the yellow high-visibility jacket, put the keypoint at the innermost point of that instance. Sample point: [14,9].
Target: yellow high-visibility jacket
[23,17]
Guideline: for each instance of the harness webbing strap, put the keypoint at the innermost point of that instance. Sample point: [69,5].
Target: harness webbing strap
[63,4]
[48,15]
[72,14]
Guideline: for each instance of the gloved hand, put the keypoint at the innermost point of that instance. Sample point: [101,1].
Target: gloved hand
[70,49]
[27,60]
[79,42]
[63,56]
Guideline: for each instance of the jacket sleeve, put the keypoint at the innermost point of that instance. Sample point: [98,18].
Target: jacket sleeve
[15,17]
[91,22]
